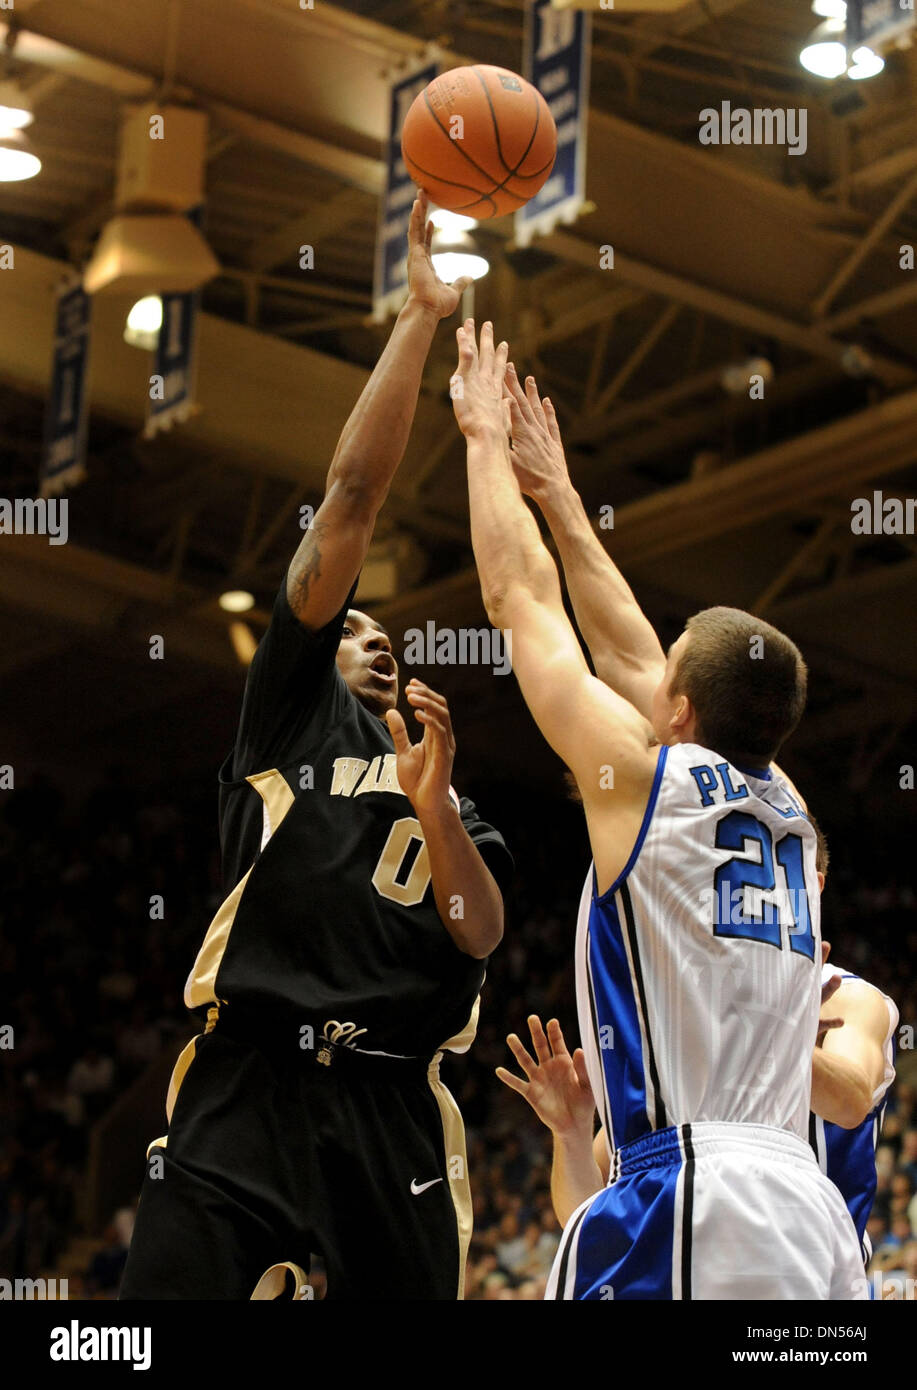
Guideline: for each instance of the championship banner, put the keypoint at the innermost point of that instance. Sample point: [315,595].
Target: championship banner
[390,280]
[63,460]
[876,23]
[171,397]
[556,61]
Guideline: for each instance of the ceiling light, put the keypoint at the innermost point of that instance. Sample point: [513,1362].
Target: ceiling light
[15,107]
[449,265]
[237,601]
[143,254]
[144,322]
[446,221]
[824,59]
[454,254]
[17,158]
[865,64]
[830,9]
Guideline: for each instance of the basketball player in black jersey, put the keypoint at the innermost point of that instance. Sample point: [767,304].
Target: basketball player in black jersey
[363,899]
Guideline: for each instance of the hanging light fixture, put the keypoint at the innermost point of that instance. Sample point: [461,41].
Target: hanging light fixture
[825,54]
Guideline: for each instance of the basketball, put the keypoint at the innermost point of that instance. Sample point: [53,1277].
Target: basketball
[480,140]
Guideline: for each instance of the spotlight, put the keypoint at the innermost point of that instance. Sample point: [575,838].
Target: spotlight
[454,254]
[825,55]
[865,64]
[830,9]
[144,322]
[446,221]
[237,601]
[18,160]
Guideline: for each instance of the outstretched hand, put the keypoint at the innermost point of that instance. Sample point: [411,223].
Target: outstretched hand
[424,284]
[477,384]
[424,769]
[557,1088]
[828,989]
[538,451]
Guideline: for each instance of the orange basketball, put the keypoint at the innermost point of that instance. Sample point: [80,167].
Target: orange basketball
[480,140]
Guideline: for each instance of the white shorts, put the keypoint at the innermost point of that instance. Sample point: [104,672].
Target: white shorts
[712,1211]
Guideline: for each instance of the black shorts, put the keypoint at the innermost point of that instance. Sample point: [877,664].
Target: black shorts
[270,1159]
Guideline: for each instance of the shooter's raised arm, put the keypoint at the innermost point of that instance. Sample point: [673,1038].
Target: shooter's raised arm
[372,442]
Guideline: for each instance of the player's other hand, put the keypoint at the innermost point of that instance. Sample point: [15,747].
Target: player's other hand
[425,768]
[827,1021]
[557,1087]
[424,285]
[476,387]
[538,452]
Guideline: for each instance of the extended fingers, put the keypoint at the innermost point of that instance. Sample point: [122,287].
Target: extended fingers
[416,226]
[500,357]
[550,416]
[398,730]
[539,1041]
[468,348]
[515,1083]
[534,400]
[556,1038]
[514,386]
[517,1048]
[422,698]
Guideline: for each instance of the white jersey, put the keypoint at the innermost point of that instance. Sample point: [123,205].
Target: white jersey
[699,970]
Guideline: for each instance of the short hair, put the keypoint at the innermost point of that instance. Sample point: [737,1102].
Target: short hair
[822,855]
[747,700]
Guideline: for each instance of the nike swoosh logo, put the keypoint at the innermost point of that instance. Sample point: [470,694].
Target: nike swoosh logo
[417,1188]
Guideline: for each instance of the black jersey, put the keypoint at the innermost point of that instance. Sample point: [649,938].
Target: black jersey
[330,911]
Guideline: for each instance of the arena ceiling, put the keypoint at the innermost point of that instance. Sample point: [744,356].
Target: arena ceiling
[719,254]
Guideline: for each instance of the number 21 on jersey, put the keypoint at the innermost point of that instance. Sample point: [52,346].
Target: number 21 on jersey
[751,874]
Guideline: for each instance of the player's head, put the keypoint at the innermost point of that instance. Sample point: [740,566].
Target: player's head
[365,660]
[732,683]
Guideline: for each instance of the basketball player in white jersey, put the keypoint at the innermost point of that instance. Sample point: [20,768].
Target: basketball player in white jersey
[698,987]
[852,1069]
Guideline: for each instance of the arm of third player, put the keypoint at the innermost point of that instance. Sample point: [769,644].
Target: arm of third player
[558,1090]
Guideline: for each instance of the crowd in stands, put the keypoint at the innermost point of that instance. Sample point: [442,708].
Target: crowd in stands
[97,971]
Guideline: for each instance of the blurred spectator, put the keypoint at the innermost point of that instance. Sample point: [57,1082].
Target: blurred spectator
[104,1273]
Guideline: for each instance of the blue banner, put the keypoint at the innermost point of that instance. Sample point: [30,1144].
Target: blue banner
[172,384]
[557,48]
[876,23]
[390,281]
[63,462]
